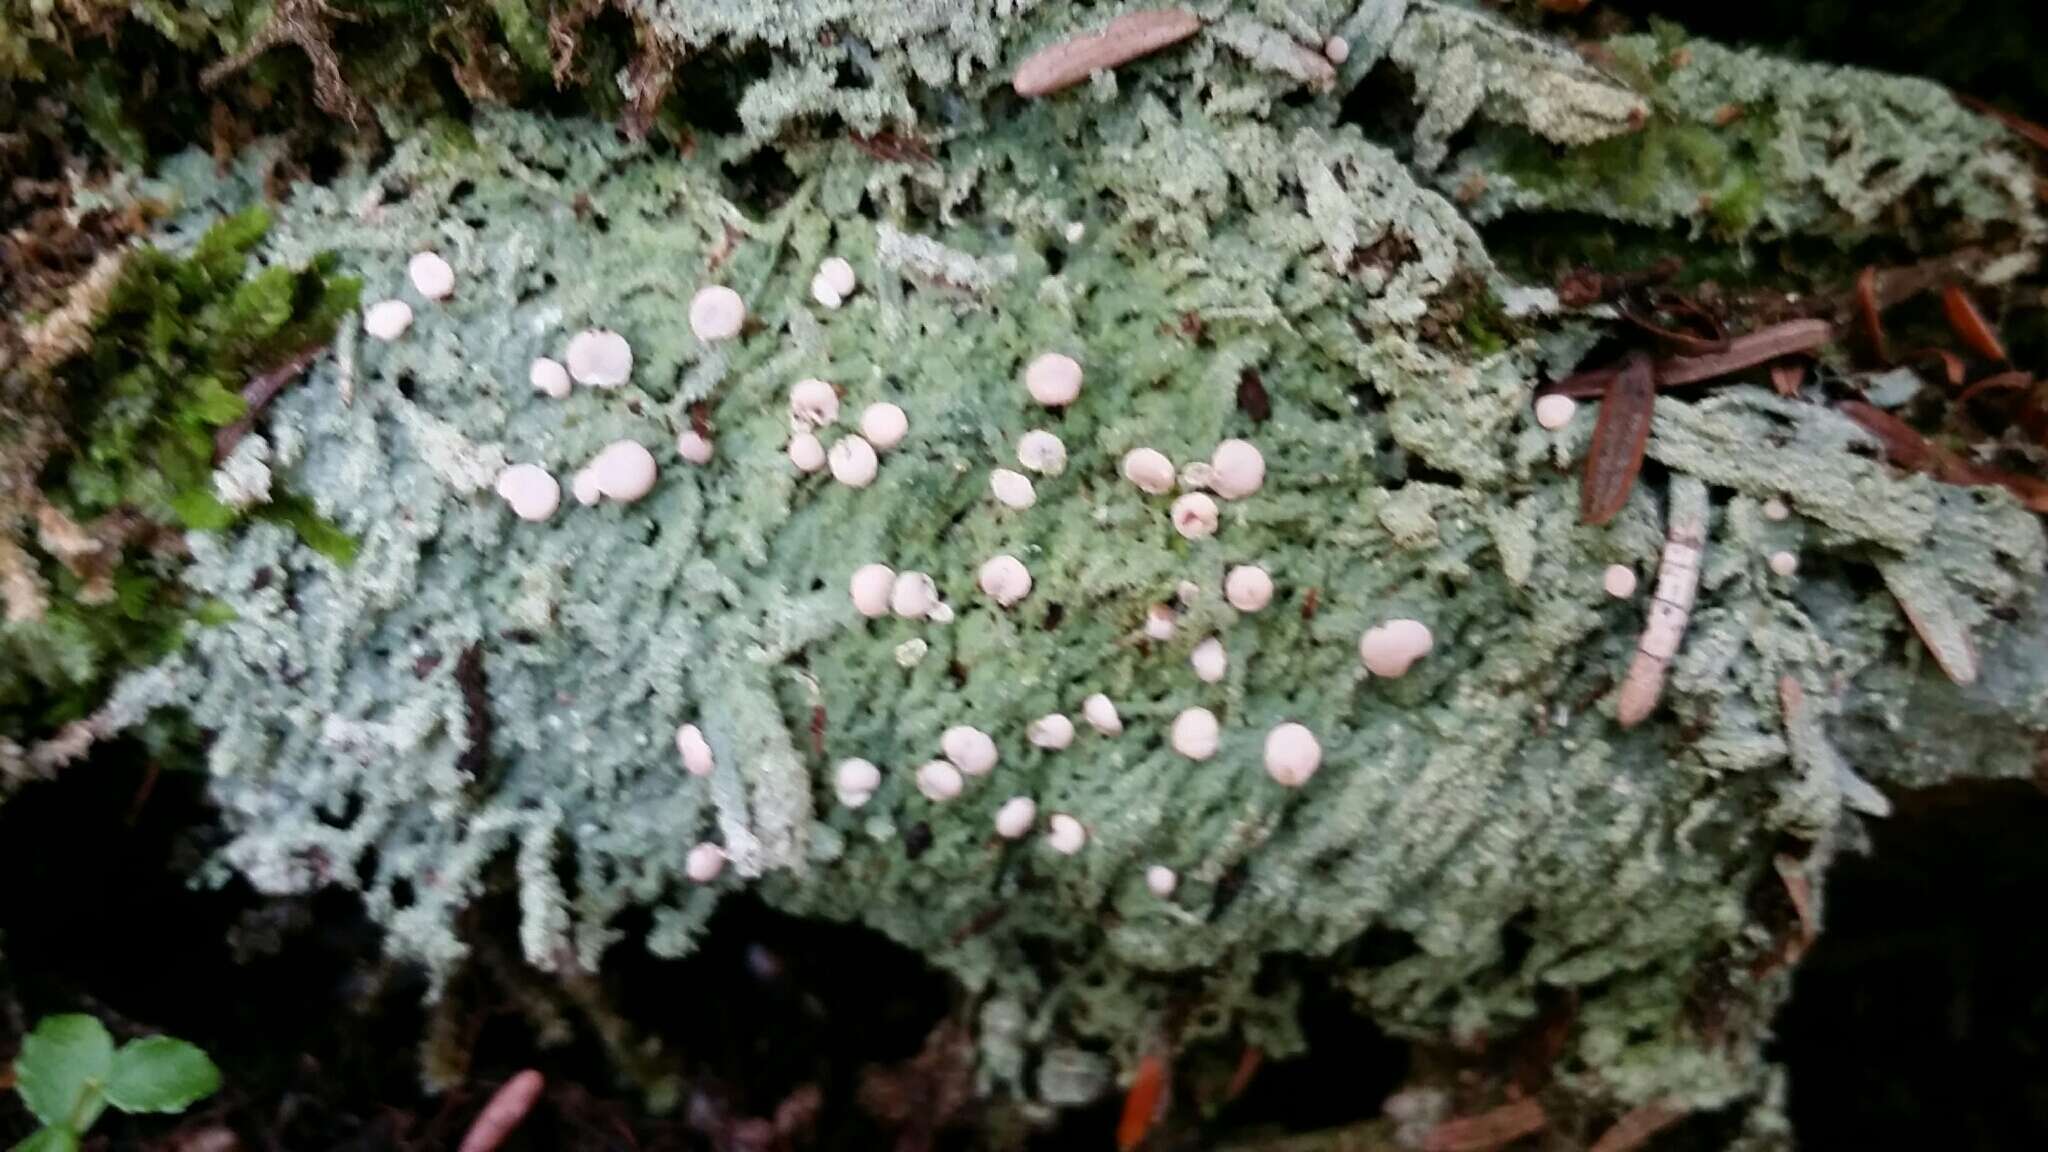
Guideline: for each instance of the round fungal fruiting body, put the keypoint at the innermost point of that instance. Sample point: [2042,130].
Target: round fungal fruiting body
[1197,475]
[913,595]
[584,485]
[826,295]
[1005,580]
[970,749]
[884,425]
[717,313]
[694,447]
[807,452]
[1619,580]
[837,275]
[1776,509]
[1195,516]
[1159,623]
[599,358]
[870,588]
[1785,563]
[1101,715]
[813,403]
[853,462]
[1150,470]
[431,275]
[1015,818]
[939,780]
[696,753]
[387,320]
[854,782]
[1065,835]
[1042,452]
[704,863]
[624,471]
[1292,754]
[1392,648]
[1053,380]
[532,493]
[1052,732]
[1336,50]
[1237,469]
[1555,411]
[1248,588]
[1196,733]
[1209,660]
[1074,231]
[548,377]
[1161,880]
[1012,489]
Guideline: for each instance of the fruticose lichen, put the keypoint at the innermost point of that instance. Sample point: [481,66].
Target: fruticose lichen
[1226,258]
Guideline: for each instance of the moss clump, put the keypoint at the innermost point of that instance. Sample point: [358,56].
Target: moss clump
[110,456]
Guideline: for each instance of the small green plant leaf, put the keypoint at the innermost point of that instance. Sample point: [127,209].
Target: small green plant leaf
[50,1140]
[61,1069]
[160,1074]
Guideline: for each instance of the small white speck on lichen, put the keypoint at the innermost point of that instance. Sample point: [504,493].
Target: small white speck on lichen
[813,403]
[694,447]
[1012,489]
[1619,580]
[1005,580]
[1161,881]
[913,595]
[1065,835]
[548,377]
[826,295]
[807,452]
[532,493]
[1337,49]
[911,652]
[1042,452]
[1159,622]
[1776,509]
[1075,230]
[1292,754]
[969,748]
[1237,469]
[1194,516]
[1390,649]
[1188,593]
[939,781]
[1555,411]
[1052,731]
[1248,588]
[870,588]
[1785,563]
[1197,475]
[717,313]
[1053,379]
[599,358]
[884,424]
[941,613]
[1150,470]
[431,275]
[854,781]
[1015,818]
[1209,660]
[1195,733]
[704,863]
[387,320]
[837,274]
[695,751]
[1101,715]
[853,461]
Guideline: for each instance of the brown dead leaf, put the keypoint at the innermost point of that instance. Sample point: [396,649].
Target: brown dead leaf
[1800,890]
[1867,314]
[1904,446]
[1787,378]
[1120,41]
[1615,457]
[1970,325]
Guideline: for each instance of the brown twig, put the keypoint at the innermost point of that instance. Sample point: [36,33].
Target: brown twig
[1487,1130]
[257,395]
[1120,41]
[1636,1127]
[1791,338]
[1969,323]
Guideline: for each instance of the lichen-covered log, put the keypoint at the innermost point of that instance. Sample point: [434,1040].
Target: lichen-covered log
[505,670]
